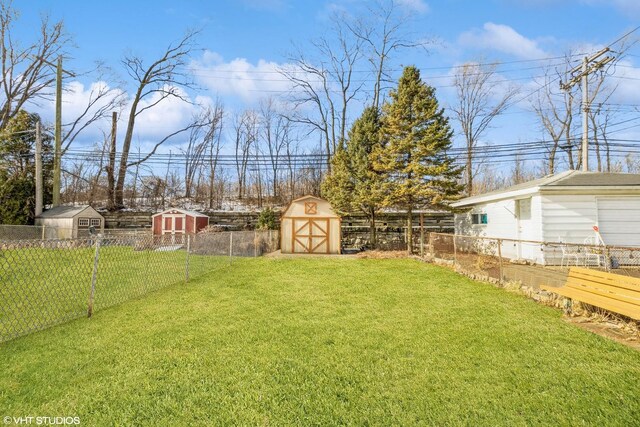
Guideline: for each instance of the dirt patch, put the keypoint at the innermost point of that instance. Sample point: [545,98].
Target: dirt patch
[279,254]
[382,254]
[624,334]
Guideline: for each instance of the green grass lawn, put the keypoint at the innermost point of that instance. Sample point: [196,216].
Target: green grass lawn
[323,341]
[40,287]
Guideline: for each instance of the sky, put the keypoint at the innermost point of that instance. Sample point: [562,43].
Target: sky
[242,43]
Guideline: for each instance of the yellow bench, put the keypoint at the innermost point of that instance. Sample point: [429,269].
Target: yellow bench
[613,292]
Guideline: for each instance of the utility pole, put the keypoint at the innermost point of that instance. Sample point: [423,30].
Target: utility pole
[57,161]
[581,74]
[57,155]
[39,197]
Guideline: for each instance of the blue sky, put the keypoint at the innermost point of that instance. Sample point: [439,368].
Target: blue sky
[250,38]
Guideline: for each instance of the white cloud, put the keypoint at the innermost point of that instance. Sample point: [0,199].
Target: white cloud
[166,117]
[239,77]
[502,38]
[419,6]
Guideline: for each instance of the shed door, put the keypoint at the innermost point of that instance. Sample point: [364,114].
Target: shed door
[310,235]
[173,224]
[619,220]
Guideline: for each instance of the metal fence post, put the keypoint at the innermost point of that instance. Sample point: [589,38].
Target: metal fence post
[421,235]
[500,273]
[94,276]
[455,251]
[230,247]
[188,250]
[255,243]
[432,251]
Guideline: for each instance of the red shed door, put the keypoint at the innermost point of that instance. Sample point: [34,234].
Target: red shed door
[173,224]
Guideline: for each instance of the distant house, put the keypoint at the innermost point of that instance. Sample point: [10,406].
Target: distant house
[70,222]
[178,221]
[309,225]
[562,207]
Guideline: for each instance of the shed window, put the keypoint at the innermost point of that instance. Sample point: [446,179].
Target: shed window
[479,218]
[310,208]
[83,222]
[95,222]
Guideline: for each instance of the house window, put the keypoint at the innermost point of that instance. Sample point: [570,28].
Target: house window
[95,222]
[479,219]
[83,222]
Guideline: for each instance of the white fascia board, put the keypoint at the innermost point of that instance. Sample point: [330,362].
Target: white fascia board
[592,190]
[480,199]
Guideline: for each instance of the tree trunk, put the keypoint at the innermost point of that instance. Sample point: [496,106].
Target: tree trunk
[126,146]
[111,180]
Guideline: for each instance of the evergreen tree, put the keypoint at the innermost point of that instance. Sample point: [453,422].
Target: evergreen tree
[413,160]
[353,184]
[337,186]
[17,169]
[364,139]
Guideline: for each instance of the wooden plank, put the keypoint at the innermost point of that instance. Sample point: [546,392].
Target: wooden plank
[634,300]
[318,245]
[630,310]
[615,280]
[622,285]
[605,288]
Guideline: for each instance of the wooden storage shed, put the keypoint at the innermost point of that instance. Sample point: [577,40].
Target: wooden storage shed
[178,221]
[309,225]
[69,222]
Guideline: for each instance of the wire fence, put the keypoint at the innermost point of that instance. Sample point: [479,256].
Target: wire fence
[48,282]
[530,262]
[42,232]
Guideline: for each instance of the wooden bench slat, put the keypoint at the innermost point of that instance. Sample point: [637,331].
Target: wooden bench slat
[604,290]
[620,307]
[619,281]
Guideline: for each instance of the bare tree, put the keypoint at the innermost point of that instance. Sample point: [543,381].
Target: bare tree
[556,118]
[481,97]
[245,129]
[27,73]
[326,84]
[383,33]
[95,181]
[214,153]
[165,78]
[103,101]
[201,137]
[275,133]
[291,151]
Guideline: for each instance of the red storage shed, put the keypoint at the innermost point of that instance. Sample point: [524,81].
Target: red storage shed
[178,221]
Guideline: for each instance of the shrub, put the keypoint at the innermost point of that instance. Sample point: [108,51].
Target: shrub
[267,220]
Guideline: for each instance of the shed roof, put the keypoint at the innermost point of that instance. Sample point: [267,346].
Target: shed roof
[66,211]
[564,181]
[184,211]
[332,213]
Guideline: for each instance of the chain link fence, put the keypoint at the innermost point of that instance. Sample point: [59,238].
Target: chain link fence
[48,282]
[530,262]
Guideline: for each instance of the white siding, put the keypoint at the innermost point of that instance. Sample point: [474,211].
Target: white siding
[619,220]
[568,218]
[501,223]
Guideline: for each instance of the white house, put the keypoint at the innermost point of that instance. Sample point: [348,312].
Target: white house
[562,207]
